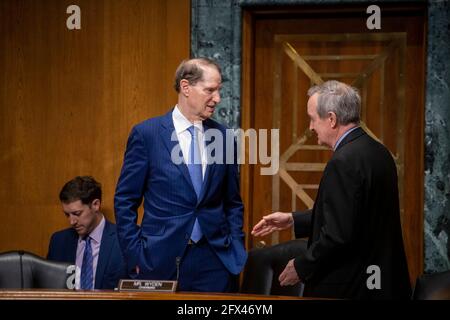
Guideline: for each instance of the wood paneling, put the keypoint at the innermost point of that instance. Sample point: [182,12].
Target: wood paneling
[39,294]
[68,100]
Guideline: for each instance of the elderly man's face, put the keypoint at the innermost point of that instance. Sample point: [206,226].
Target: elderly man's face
[205,94]
[322,127]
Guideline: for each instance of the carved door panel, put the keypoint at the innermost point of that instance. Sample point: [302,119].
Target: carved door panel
[293,53]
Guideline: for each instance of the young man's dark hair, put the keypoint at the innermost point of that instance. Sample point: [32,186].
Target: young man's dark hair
[83,188]
[91,241]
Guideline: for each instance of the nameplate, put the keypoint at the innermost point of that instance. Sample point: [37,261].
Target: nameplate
[147,285]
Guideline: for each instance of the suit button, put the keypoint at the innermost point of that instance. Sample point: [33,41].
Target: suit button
[186,236]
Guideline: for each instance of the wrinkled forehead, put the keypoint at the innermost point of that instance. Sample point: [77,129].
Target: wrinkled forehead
[312,103]
[211,78]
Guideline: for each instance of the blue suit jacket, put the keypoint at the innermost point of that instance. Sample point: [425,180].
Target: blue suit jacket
[171,204]
[110,265]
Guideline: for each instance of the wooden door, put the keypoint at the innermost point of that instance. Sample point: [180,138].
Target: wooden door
[285,53]
[69,98]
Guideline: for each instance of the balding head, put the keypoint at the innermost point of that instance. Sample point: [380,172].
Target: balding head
[192,70]
[339,98]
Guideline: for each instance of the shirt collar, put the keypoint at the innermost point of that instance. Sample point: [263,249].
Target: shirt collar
[181,123]
[346,133]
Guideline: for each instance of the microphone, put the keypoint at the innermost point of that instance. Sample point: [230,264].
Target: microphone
[21,253]
[178,261]
[151,285]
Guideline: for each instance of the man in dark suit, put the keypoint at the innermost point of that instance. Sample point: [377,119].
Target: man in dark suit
[193,214]
[91,242]
[355,248]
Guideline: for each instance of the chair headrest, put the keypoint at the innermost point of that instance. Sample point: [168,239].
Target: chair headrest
[434,286]
[22,269]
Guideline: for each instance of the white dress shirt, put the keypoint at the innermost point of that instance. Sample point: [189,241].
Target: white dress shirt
[181,125]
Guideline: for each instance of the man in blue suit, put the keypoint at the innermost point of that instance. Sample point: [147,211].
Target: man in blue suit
[193,214]
[91,242]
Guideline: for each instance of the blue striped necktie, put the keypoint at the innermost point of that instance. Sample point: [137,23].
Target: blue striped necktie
[87,272]
[195,171]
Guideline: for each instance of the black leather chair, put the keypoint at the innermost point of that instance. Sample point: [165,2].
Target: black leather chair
[264,265]
[23,270]
[435,286]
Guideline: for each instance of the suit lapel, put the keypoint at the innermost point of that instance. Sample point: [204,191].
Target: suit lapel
[104,253]
[355,134]
[209,163]
[166,134]
[72,252]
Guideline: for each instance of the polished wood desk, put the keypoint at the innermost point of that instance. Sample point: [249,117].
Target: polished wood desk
[47,294]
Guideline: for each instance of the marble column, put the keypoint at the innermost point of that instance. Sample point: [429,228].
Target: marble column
[437,139]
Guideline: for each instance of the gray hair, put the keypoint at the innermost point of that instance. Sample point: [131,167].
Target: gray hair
[192,71]
[340,98]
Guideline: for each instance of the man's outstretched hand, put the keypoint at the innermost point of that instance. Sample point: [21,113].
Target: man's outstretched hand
[276,221]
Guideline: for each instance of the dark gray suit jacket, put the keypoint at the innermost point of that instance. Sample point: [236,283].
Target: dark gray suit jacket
[355,223]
